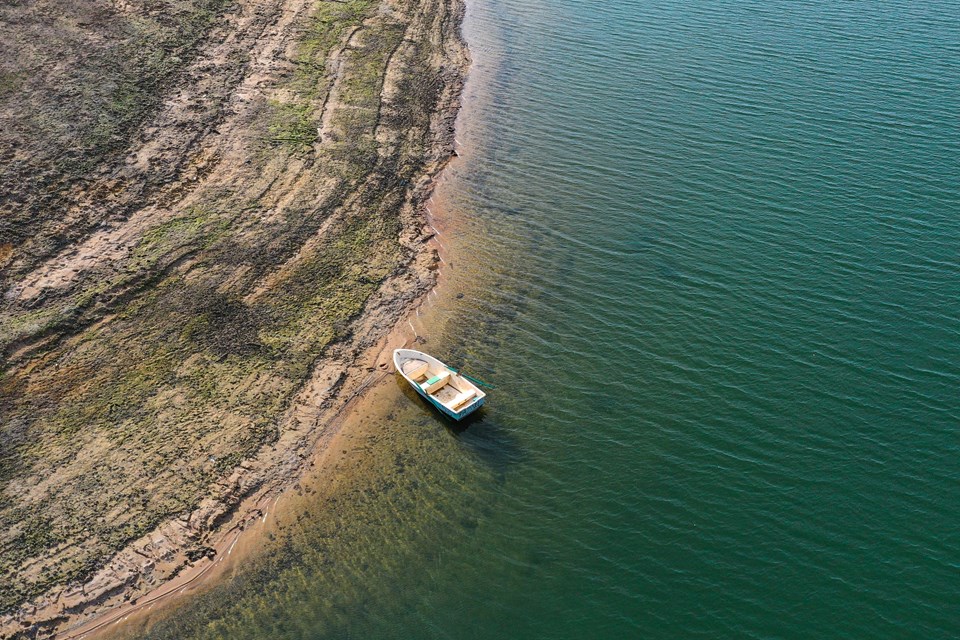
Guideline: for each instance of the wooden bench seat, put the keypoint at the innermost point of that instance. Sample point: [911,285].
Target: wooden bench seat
[462,398]
[415,369]
[436,382]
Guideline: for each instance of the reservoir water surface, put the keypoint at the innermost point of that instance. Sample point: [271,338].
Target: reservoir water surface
[709,254]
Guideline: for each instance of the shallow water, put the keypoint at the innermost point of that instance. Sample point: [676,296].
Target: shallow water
[710,255]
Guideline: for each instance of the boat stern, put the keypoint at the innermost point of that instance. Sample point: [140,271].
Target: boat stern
[470,408]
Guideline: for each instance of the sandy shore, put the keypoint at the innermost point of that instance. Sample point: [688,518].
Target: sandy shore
[243,532]
[227,285]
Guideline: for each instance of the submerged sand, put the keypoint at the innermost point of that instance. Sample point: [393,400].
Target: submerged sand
[214,216]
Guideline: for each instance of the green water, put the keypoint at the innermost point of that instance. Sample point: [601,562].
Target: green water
[710,255]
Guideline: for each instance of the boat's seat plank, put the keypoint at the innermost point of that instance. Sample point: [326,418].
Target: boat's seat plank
[416,369]
[462,398]
[436,382]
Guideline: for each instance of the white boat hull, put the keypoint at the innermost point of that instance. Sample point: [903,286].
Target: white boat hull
[450,393]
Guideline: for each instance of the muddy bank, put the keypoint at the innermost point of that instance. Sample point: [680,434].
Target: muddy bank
[183,318]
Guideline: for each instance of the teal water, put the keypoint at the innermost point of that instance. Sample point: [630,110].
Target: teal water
[710,255]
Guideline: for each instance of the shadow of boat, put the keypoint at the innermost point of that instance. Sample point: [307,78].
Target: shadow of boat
[480,433]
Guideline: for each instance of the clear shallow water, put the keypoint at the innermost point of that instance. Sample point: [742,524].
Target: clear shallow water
[716,255]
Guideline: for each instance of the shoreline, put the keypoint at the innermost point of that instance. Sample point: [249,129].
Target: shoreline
[250,494]
[253,517]
[246,521]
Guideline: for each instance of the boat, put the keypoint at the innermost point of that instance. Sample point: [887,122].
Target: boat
[443,387]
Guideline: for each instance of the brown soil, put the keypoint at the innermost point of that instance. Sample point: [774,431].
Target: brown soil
[211,213]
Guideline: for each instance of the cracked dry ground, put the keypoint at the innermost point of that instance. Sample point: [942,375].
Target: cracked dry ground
[208,209]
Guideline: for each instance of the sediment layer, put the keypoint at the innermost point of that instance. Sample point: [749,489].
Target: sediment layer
[210,211]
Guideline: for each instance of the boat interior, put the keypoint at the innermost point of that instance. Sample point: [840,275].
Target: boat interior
[448,388]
